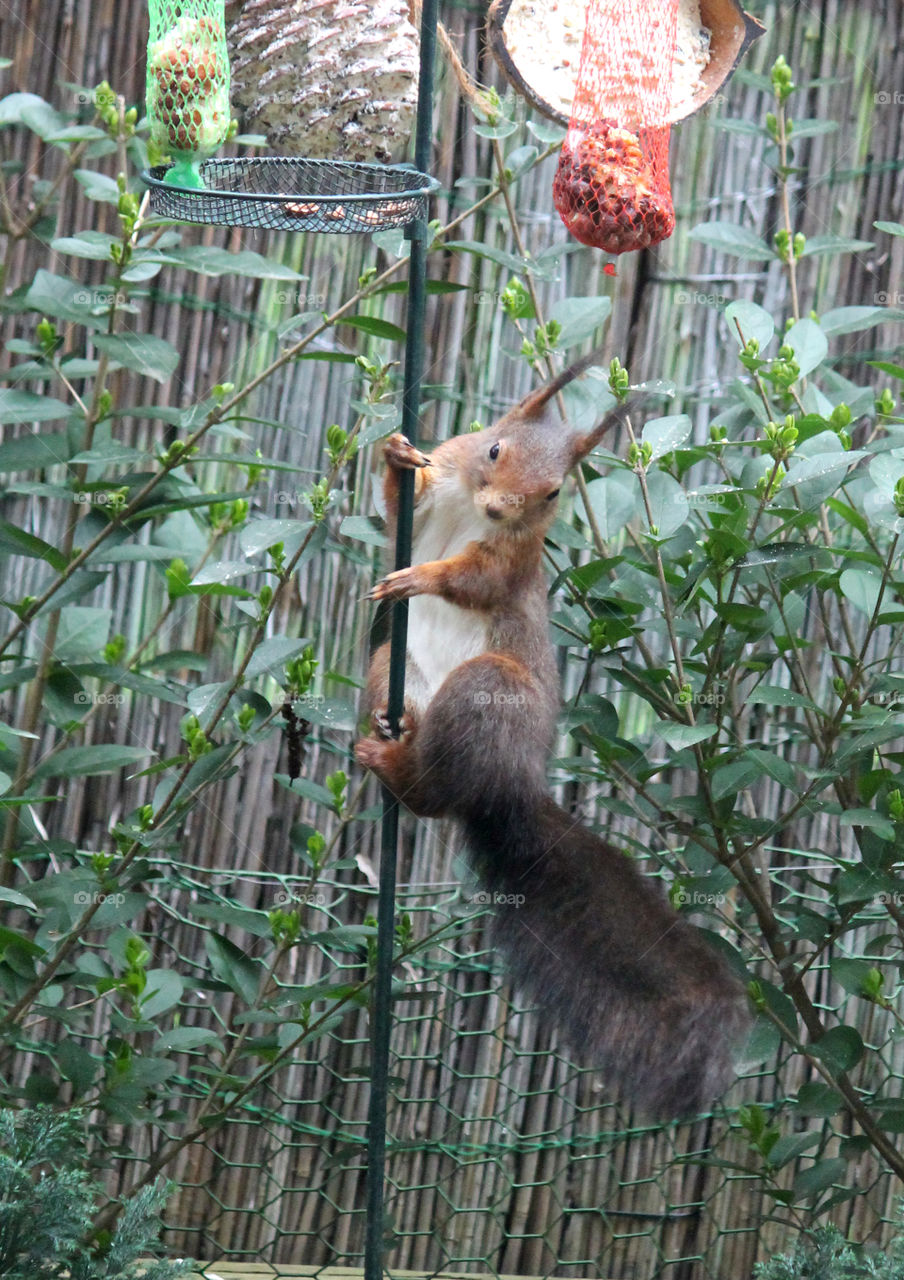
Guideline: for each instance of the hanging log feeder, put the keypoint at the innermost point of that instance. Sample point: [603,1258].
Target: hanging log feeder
[537,44]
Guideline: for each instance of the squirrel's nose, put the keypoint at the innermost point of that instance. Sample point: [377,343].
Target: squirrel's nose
[494,513]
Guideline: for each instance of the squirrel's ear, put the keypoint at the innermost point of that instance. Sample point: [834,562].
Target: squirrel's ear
[582,444]
[534,404]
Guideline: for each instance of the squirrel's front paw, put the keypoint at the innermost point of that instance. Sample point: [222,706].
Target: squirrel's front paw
[399,585]
[401,454]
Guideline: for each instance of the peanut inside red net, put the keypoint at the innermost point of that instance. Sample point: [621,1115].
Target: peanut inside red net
[611,188]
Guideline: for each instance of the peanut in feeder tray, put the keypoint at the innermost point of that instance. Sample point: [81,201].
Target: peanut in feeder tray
[295,194]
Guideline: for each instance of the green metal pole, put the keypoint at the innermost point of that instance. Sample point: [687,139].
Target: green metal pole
[414,365]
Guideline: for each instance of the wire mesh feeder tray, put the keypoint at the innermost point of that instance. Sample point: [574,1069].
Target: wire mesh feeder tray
[295,194]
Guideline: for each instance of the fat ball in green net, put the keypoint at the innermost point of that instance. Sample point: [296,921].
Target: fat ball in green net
[188,83]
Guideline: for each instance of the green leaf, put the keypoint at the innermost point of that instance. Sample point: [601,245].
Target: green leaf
[53,295]
[890,228]
[809,344]
[258,535]
[791,1146]
[849,515]
[752,320]
[272,656]
[811,128]
[97,186]
[817,245]
[82,762]
[222,571]
[363,529]
[16,899]
[110,453]
[669,506]
[829,467]
[207,260]
[579,317]
[34,452]
[851,974]
[33,112]
[83,632]
[878,822]
[893,370]
[374,326]
[861,587]
[231,966]
[29,544]
[733,778]
[773,695]
[332,713]
[164,989]
[76,1065]
[310,790]
[25,406]
[774,766]
[83,133]
[746,128]
[679,736]
[93,245]
[841,1048]
[819,1176]
[502,129]
[818,1099]
[142,352]
[666,434]
[762,1044]
[520,159]
[182,1039]
[852,319]
[499,256]
[546,132]
[613,499]
[727,237]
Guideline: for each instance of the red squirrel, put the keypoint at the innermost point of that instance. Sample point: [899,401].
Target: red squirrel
[634,987]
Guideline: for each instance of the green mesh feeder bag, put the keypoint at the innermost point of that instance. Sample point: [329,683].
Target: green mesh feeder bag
[188,84]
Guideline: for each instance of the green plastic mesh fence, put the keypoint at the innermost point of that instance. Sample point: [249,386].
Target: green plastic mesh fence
[187,83]
[503,1156]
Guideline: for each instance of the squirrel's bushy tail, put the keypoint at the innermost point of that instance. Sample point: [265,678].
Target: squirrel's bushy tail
[636,989]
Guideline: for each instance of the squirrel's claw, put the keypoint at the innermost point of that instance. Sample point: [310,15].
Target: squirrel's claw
[395,586]
[383,727]
[401,454]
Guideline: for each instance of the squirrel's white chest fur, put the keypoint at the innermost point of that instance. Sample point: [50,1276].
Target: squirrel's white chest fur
[442,635]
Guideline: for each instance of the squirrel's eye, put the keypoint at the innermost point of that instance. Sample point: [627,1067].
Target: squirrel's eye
[550,496]
[494,451]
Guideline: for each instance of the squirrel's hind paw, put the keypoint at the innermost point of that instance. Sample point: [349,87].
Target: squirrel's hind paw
[383,726]
[370,753]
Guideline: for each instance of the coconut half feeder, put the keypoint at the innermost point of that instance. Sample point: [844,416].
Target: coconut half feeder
[537,44]
[189,114]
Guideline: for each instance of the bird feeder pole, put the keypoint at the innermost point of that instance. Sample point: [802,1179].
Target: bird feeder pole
[381,1023]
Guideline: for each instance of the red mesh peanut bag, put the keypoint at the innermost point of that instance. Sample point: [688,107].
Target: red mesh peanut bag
[611,188]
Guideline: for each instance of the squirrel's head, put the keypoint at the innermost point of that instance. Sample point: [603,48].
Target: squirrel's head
[516,468]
